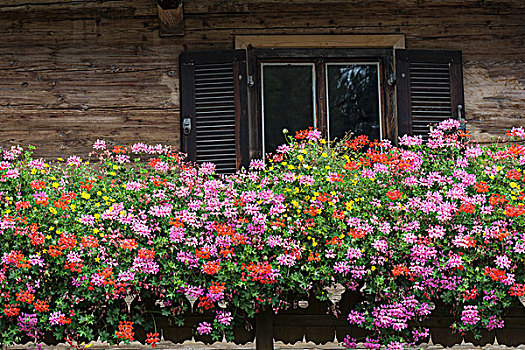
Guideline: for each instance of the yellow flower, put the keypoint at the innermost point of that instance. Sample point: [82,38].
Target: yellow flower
[95,230]
[99,193]
[54,184]
[513,184]
[73,207]
[112,173]
[300,157]
[85,195]
[52,210]
[115,167]
[97,216]
[60,159]
[324,155]
[51,228]
[295,203]
[373,268]
[97,259]
[42,171]
[97,204]
[327,167]
[33,171]
[314,243]
[105,198]
[48,236]
[291,167]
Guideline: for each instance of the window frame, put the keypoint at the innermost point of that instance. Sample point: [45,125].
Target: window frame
[320,57]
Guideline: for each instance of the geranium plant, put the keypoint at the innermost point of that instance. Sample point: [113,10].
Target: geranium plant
[93,250]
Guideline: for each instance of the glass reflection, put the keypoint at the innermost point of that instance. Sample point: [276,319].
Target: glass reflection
[353,100]
[287,101]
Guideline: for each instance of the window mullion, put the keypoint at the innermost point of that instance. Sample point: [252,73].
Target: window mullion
[321,106]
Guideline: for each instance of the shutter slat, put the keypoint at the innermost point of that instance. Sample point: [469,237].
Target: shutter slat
[215,117]
[429,89]
[218,108]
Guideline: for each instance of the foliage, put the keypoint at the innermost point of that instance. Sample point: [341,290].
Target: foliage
[431,221]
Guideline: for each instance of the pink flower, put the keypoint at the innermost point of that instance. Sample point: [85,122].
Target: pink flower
[204,328]
[74,161]
[99,145]
[224,317]
[502,261]
[470,315]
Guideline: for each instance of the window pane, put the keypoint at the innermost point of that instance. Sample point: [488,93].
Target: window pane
[287,101]
[353,100]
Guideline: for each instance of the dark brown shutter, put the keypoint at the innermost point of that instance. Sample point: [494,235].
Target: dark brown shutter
[429,89]
[214,104]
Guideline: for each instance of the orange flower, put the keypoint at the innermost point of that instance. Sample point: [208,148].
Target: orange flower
[511,211]
[89,242]
[53,251]
[516,150]
[217,288]
[204,253]
[38,185]
[11,310]
[467,208]
[119,149]
[496,199]
[153,339]
[145,253]
[67,241]
[314,257]
[125,330]
[41,306]
[211,267]
[513,175]
[128,243]
[25,297]
[400,270]
[481,187]
[394,195]
[357,233]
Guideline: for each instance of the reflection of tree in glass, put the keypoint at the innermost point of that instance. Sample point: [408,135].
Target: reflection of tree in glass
[353,100]
[288,102]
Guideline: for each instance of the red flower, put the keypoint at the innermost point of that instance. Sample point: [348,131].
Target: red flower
[41,306]
[89,241]
[11,309]
[211,267]
[25,297]
[394,195]
[481,187]
[511,211]
[517,290]
[128,243]
[153,339]
[125,330]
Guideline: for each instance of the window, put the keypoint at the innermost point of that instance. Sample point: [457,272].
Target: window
[289,100]
[234,104]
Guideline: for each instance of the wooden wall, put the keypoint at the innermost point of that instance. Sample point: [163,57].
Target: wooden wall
[72,71]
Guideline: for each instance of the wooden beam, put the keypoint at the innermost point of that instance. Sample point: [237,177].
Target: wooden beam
[396,41]
[171,17]
[264,330]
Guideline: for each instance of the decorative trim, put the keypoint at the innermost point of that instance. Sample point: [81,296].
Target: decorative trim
[396,41]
